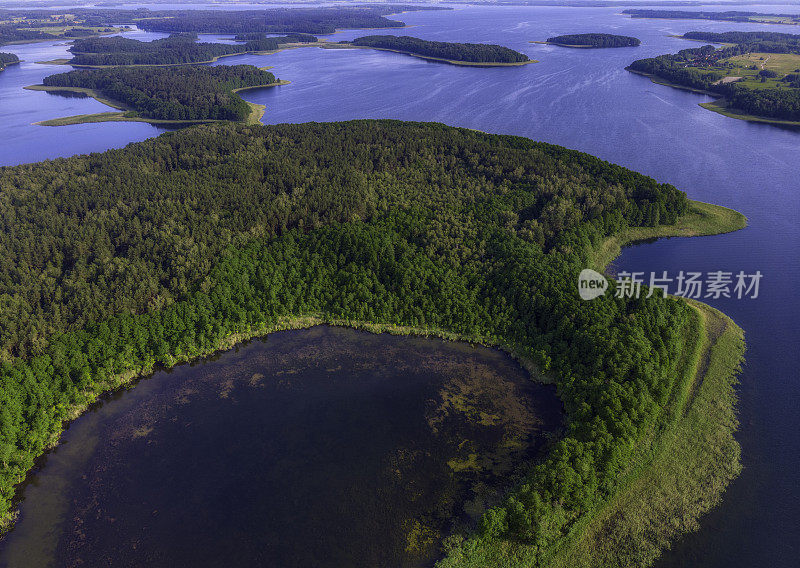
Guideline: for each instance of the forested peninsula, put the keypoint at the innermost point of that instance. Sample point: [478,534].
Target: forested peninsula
[7,59]
[15,28]
[756,74]
[178,49]
[594,40]
[177,94]
[178,246]
[450,52]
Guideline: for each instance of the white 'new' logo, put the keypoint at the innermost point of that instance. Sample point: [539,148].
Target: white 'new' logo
[591,284]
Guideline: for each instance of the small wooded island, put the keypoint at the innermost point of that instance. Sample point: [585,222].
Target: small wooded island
[756,75]
[478,54]
[7,59]
[593,40]
[158,94]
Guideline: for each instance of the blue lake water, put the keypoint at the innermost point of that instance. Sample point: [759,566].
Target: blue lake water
[582,99]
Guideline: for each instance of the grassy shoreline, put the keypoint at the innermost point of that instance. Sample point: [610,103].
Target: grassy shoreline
[702,41]
[682,471]
[128,380]
[563,44]
[659,81]
[710,219]
[692,463]
[719,105]
[9,64]
[703,219]
[124,112]
[682,468]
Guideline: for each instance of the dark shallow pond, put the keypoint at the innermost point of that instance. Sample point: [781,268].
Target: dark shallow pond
[321,447]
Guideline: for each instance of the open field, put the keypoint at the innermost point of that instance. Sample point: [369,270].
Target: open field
[62,29]
[745,69]
[767,19]
[781,63]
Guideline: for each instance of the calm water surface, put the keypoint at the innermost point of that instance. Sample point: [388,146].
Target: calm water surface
[581,99]
[326,447]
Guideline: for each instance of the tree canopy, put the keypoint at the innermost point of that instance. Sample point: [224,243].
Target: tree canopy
[175,93]
[7,59]
[176,49]
[115,262]
[282,20]
[750,42]
[48,23]
[724,16]
[595,40]
[472,52]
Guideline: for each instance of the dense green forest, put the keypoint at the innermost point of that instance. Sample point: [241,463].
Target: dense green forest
[7,59]
[471,52]
[595,40]
[752,41]
[174,50]
[705,67]
[727,16]
[175,93]
[23,26]
[289,38]
[13,33]
[115,262]
[9,33]
[304,20]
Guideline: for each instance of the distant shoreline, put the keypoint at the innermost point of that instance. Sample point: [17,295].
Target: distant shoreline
[61,38]
[9,64]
